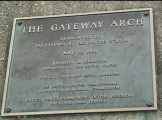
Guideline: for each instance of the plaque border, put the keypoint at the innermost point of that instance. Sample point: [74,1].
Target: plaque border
[84,110]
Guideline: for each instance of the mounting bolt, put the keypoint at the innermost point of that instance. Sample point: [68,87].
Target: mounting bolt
[146,14]
[149,104]
[19,22]
[8,110]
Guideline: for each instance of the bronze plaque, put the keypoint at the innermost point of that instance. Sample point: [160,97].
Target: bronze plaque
[92,62]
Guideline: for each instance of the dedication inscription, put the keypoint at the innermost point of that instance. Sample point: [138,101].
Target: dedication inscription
[93,62]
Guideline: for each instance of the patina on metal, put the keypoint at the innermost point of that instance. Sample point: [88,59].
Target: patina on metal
[91,62]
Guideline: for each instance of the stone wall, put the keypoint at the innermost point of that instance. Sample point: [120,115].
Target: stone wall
[12,9]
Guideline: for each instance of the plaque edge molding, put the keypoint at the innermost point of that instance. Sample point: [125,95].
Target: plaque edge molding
[88,13]
[8,69]
[79,111]
[153,57]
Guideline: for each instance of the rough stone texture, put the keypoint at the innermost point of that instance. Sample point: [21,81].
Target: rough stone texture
[12,9]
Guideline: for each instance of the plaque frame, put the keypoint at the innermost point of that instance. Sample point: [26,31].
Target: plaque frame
[91,110]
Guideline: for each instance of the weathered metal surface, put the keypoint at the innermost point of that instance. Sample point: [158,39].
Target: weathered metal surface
[12,9]
[81,63]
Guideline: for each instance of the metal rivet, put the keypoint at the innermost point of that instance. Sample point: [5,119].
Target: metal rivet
[146,14]
[19,22]
[8,110]
[149,104]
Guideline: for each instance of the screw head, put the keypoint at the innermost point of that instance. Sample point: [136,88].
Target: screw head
[19,22]
[8,110]
[149,104]
[146,14]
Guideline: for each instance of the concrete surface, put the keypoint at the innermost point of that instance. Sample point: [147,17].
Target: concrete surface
[12,9]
